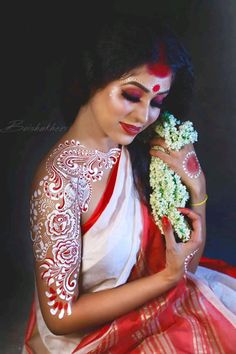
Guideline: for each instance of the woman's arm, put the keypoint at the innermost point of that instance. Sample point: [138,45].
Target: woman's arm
[197,197]
[57,246]
[98,308]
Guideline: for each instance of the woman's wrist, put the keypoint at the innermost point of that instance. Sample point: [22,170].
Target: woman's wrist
[200,202]
[172,278]
[197,195]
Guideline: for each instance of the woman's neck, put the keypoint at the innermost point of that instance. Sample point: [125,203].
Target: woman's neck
[85,130]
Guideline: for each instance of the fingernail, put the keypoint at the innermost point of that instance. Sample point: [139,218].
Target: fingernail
[165,221]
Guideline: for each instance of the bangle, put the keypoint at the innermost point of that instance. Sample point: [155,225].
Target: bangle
[202,202]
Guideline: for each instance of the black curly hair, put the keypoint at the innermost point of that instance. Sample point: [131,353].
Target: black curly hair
[117,45]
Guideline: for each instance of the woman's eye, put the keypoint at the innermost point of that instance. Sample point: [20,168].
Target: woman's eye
[156,104]
[129,97]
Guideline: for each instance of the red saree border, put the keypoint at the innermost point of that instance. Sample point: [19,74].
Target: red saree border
[219,265]
[30,327]
[103,202]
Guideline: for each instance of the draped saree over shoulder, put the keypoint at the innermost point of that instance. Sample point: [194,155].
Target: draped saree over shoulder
[120,244]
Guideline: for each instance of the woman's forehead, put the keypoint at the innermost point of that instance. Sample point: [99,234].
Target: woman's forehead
[150,80]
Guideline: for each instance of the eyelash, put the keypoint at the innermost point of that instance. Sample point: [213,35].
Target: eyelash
[134,99]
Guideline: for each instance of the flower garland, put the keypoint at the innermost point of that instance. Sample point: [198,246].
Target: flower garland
[168,191]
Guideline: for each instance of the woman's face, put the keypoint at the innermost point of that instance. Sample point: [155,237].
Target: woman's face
[127,106]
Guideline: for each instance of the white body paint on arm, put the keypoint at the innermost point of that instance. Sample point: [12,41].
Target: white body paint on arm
[55,214]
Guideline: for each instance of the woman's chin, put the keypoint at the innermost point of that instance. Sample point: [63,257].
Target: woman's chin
[126,139]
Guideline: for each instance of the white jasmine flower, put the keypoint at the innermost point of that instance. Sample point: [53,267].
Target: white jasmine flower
[168,191]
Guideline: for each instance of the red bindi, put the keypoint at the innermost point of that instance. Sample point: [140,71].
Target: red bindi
[156,88]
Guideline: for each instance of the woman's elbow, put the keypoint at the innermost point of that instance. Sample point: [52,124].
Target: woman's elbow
[57,330]
[57,326]
[66,325]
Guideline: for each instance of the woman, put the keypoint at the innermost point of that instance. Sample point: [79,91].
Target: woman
[106,279]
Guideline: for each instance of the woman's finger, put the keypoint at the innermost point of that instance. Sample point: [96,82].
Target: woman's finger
[164,156]
[157,141]
[168,232]
[196,235]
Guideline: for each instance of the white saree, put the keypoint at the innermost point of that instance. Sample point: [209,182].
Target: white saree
[110,250]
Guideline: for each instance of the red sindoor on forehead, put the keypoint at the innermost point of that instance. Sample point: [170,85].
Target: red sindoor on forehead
[161,68]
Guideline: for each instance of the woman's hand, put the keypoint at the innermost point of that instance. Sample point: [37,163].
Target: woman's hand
[185,163]
[179,254]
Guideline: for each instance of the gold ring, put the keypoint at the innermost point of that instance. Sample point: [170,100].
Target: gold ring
[161,148]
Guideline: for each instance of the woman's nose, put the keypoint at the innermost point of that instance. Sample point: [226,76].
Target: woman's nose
[142,114]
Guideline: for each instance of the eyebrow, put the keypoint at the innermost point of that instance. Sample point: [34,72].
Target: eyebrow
[143,87]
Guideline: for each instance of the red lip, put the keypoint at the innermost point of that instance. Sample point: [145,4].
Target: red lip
[130,129]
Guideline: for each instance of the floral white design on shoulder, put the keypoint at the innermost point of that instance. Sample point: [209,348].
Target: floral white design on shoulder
[55,213]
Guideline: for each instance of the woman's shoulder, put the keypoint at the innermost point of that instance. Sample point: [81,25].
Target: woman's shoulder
[45,164]
[69,159]
[52,176]
[62,159]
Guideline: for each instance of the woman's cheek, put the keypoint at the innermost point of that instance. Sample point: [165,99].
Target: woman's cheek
[154,115]
[120,105]
[127,106]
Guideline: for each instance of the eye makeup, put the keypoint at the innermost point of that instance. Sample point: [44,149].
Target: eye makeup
[134,95]
[156,102]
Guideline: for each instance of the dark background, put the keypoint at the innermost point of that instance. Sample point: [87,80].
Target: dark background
[35,39]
